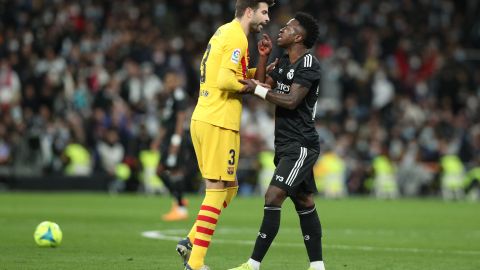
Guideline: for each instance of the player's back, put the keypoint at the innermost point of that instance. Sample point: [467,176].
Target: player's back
[227,48]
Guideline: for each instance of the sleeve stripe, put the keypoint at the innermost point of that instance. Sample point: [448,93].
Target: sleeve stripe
[307,60]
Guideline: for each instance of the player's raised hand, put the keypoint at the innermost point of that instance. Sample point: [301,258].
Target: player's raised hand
[272,65]
[265,45]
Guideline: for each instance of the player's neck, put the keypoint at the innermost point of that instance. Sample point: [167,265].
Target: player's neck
[295,52]
[245,25]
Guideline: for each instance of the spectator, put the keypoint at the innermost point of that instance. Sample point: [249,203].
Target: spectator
[110,152]
[389,76]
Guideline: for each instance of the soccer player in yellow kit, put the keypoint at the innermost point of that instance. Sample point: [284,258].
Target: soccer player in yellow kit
[216,121]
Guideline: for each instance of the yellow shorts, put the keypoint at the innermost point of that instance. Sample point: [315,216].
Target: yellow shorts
[217,150]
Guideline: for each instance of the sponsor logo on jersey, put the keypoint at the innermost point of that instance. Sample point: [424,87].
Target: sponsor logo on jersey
[290,74]
[279,178]
[283,88]
[204,93]
[236,56]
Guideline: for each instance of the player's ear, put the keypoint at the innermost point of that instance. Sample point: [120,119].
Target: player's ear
[249,12]
[298,38]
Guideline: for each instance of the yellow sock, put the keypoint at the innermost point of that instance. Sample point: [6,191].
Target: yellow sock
[205,225]
[231,193]
[193,230]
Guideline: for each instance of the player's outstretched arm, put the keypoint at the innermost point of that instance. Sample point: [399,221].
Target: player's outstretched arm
[288,101]
[227,81]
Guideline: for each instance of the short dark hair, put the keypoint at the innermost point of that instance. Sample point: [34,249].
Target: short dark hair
[310,25]
[242,5]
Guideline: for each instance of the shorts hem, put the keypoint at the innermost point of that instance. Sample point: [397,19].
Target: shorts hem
[219,178]
[281,186]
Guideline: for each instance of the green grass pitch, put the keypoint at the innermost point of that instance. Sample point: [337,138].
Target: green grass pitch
[103,232]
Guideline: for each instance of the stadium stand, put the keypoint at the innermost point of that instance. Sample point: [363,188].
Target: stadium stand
[401,81]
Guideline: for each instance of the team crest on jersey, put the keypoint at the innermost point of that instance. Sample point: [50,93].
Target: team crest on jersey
[290,74]
[230,170]
[236,56]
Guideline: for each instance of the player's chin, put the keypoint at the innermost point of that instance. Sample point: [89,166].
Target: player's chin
[261,26]
[280,42]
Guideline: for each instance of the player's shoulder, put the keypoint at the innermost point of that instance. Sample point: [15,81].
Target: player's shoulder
[309,61]
[232,30]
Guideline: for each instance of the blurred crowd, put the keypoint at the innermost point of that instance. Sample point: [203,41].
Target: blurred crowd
[83,84]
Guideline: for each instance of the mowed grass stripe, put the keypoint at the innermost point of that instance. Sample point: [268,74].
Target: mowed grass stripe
[104,232]
[176,235]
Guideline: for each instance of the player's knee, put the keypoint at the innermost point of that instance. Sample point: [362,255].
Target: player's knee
[214,184]
[274,198]
[303,202]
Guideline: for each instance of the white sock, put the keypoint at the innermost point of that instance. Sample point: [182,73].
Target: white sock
[318,265]
[254,264]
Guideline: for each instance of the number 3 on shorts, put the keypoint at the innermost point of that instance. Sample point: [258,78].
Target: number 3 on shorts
[231,161]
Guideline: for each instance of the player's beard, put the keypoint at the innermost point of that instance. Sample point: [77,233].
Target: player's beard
[256,27]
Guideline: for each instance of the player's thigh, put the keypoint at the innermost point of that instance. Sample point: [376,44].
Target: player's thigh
[195,134]
[217,150]
[221,154]
[294,171]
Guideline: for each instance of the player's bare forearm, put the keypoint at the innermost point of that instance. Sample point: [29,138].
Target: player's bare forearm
[181,115]
[282,100]
[288,101]
[261,72]
[176,139]
[264,49]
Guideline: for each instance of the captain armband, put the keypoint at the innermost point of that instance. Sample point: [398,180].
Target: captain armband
[261,91]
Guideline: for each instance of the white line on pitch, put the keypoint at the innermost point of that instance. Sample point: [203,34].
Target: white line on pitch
[166,235]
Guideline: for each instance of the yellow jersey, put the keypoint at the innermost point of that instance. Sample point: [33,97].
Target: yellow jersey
[227,48]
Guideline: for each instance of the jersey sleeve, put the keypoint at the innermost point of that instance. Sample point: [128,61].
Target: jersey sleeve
[251,73]
[305,76]
[234,49]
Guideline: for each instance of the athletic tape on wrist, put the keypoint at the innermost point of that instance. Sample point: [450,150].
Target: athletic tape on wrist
[261,91]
